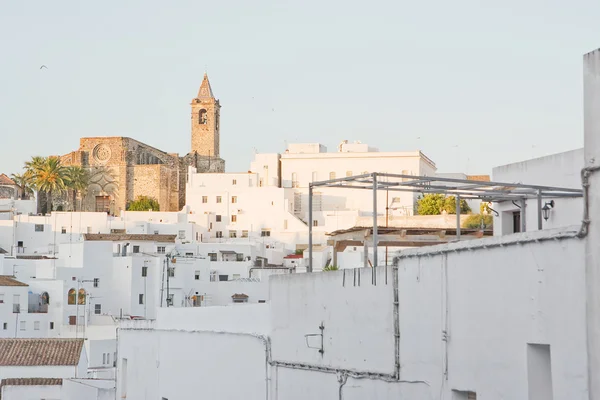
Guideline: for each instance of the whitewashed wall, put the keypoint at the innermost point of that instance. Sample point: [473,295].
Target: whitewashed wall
[49,392]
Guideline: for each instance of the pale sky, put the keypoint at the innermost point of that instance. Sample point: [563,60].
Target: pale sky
[471,83]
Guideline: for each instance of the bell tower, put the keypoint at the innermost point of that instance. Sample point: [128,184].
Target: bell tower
[205,121]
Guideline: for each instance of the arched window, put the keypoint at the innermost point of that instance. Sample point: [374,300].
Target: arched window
[72,296]
[45,298]
[332,175]
[202,116]
[81,299]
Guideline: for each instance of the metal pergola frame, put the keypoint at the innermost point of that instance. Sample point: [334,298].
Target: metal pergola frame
[460,188]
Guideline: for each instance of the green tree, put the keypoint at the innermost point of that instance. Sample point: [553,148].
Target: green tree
[477,221]
[77,179]
[25,184]
[331,268]
[50,178]
[143,203]
[435,203]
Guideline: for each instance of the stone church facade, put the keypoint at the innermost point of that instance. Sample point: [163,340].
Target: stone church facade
[121,168]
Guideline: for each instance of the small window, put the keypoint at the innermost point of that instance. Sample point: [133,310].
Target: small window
[265,233]
[136,249]
[212,256]
[217,218]
[181,234]
[156,232]
[233,199]
[234,182]
[71,297]
[239,257]
[103,358]
[205,199]
[197,275]
[223,278]
[234,218]
[244,234]
[16,303]
[98,309]
[51,325]
[96,282]
[315,222]
[22,325]
[39,228]
[89,229]
[81,297]
[108,358]
[160,249]
[219,234]
[219,199]
[262,301]
[172,272]
[210,226]
[189,254]
[213,276]
[36,325]
[144,271]
[332,175]
[63,230]
[5,326]
[141,298]
[260,182]
[233,234]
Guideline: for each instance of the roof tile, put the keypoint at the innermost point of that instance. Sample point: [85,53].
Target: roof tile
[40,352]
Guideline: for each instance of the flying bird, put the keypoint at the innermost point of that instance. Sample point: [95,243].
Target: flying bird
[43,66]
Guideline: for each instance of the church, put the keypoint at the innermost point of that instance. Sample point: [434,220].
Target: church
[121,168]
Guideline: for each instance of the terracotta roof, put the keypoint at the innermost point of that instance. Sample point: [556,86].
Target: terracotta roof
[5,180]
[31,382]
[7,280]
[40,352]
[239,296]
[294,256]
[481,178]
[119,237]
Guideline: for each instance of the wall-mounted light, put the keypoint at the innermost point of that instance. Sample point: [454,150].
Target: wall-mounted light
[546,209]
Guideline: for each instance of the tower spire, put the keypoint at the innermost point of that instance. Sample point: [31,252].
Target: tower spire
[205,91]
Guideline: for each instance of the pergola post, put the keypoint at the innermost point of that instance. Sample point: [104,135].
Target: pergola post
[310,230]
[539,209]
[457,217]
[374,219]
[523,215]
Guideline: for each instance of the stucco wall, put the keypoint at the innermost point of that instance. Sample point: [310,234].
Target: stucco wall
[46,392]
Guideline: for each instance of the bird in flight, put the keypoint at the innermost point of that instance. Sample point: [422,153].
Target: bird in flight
[43,66]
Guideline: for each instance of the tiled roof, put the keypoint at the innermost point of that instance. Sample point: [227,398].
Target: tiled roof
[481,178]
[6,280]
[119,237]
[40,352]
[5,180]
[239,296]
[31,382]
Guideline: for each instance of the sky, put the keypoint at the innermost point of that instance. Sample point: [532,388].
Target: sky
[472,84]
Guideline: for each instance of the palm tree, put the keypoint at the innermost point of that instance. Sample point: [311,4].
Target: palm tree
[49,177]
[24,182]
[77,179]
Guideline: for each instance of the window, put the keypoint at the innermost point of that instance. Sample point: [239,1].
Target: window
[202,117]
[516,216]
[260,182]
[39,228]
[22,325]
[234,218]
[108,358]
[239,257]
[72,320]
[285,224]
[171,272]
[197,275]
[262,301]
[181,234]
[223,278]
[234,182]
[5,326]
[205,199]
[136,249]
[98,309]
[233,199]
[348,173]
[210,226]
[314,176]
[315,222]
[103,358]
[96,282]
[141,298]
[63,230]
[51,325]
[160,249]
[213,276]
[16,303]
[464,395]
[71,297]
[332,175]
[1,297]
[233,234]
[89,229]
[219,234]
[144,271]
[156,232]
[217,218]
[81,297]
[212,256]
[170,299]
[265,233]
[244,234]
[36,325]
[219,199]
[295,183]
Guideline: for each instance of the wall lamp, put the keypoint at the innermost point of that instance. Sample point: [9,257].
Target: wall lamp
[546,209]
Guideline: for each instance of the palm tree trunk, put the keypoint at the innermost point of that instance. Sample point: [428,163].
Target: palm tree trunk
[49,200]
[74,199]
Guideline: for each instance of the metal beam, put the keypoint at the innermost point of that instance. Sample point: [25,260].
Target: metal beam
[310,226]
[523,216]
[374,220]
[539,209]
[458,217]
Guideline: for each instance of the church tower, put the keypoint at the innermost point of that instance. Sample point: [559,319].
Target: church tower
[205,121]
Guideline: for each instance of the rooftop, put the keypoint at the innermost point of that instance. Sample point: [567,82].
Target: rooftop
[31,382]
[122,237]
[8,280]
[5,180]
[40,352]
